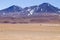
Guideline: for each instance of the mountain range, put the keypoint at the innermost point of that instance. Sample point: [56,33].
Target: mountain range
[43,13]
[37,10]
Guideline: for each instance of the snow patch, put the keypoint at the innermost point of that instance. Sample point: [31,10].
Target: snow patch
[28,9]
[31,12]
[48,4]
[41,9]
[59,11]
[3,13]
[37,7]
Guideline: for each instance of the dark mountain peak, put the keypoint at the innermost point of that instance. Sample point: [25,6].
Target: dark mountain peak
[13,5]
[45,4]
[46,7]
[12,8]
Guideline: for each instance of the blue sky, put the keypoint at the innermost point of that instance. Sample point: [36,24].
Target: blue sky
[26,3]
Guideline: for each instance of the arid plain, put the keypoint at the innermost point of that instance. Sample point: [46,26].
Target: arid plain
[31,31]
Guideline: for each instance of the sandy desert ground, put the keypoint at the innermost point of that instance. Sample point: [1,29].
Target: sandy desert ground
[39,31]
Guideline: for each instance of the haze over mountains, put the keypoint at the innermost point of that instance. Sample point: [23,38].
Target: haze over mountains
[37,10]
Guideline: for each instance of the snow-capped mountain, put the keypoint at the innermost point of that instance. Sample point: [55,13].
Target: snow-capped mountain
[44,8]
